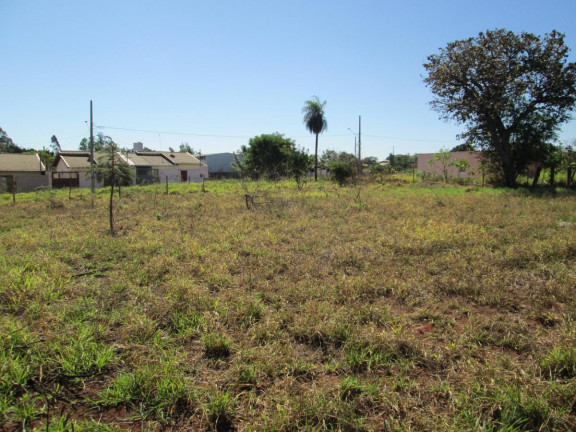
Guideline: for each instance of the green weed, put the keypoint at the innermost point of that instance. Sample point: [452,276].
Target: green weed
[220,409]
[216,346]
[560,362]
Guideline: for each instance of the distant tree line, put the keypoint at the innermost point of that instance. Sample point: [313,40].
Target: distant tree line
[401,162]
[7,145]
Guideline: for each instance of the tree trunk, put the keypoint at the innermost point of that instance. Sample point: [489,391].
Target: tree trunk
[316,160]
[111,205]
[536,176]
[552,175]
[111,209]
[500,138]
[508,167]
[568,174]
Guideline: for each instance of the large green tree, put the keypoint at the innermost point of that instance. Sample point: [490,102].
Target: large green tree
[510,91]
[316,123]
[273,156]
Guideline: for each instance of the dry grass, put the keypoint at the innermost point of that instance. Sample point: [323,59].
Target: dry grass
[389,307]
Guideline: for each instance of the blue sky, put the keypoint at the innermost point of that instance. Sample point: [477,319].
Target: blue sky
[215,73]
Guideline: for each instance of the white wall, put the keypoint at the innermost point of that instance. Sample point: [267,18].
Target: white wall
[28,181]
[84,178]
[195,174]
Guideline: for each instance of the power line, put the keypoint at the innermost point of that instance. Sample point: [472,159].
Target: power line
[196,134]
[248,137]
[170,133]
[32,143]
[411,139]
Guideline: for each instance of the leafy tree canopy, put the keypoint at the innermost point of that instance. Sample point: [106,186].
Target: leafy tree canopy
[370,160]
[464,147]
[401,161]
[46,156]
[330,156]
[272,155]
[510,91]
[101,141]
[185,148]
[8,146]
[111,168]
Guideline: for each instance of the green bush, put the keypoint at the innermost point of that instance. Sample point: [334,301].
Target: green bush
[341,171]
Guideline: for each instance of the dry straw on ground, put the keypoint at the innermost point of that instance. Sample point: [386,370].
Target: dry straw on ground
[388,307]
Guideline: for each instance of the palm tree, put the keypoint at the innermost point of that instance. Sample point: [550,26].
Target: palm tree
[316,123]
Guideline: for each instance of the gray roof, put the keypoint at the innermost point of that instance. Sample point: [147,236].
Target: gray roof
[160,159]
[18,162]
[78,159]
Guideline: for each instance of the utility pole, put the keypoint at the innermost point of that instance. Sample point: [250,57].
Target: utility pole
[359,144]
[93,183]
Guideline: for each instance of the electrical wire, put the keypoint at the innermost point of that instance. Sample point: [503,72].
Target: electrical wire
[248,137]
[169,133]
[410,139]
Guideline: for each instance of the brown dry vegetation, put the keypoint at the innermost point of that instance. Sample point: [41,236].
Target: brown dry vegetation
[386,307]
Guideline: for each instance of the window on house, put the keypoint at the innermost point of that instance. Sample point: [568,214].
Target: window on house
[6,183]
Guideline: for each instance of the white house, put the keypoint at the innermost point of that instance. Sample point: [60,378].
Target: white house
[174,167]
[72,169]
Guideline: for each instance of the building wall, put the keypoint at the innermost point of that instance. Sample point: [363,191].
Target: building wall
[220,163]
[174,174]
[473,159]
[85,180]
[27,181]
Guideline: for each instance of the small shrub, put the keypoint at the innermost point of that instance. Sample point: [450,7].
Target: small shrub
[341,171]
[158,388]
[248,375]
[83,355]
[560,362]
[324,412]
[350,389]
[220,410]
[364,358]
[518,411]
[216,346]
[188,325]
[252,313]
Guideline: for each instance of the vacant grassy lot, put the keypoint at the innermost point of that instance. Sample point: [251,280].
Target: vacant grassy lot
[386,308]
